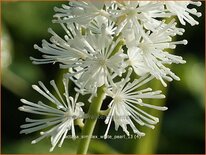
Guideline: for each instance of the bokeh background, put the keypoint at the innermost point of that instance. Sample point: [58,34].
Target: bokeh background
[181,127]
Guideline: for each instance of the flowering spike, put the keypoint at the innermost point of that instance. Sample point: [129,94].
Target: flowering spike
[105,42]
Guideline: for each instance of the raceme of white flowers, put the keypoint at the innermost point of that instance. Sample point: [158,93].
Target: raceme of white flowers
[104,43]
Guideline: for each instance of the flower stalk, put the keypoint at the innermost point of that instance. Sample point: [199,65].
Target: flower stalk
[118,47]
[90,123]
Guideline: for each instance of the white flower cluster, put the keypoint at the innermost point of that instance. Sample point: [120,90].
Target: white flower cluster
[107,41]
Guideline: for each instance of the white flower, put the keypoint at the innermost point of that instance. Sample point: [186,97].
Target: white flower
[90,58]
[133,13]
[183,12]
[100,65]
[126,103]
[60,118]
[81,12]
[102,25]
[149,55]
[61,49]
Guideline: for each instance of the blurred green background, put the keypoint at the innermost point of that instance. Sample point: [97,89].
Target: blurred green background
[181,127]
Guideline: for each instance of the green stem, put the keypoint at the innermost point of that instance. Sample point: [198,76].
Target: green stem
[117,47]
[90,123]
